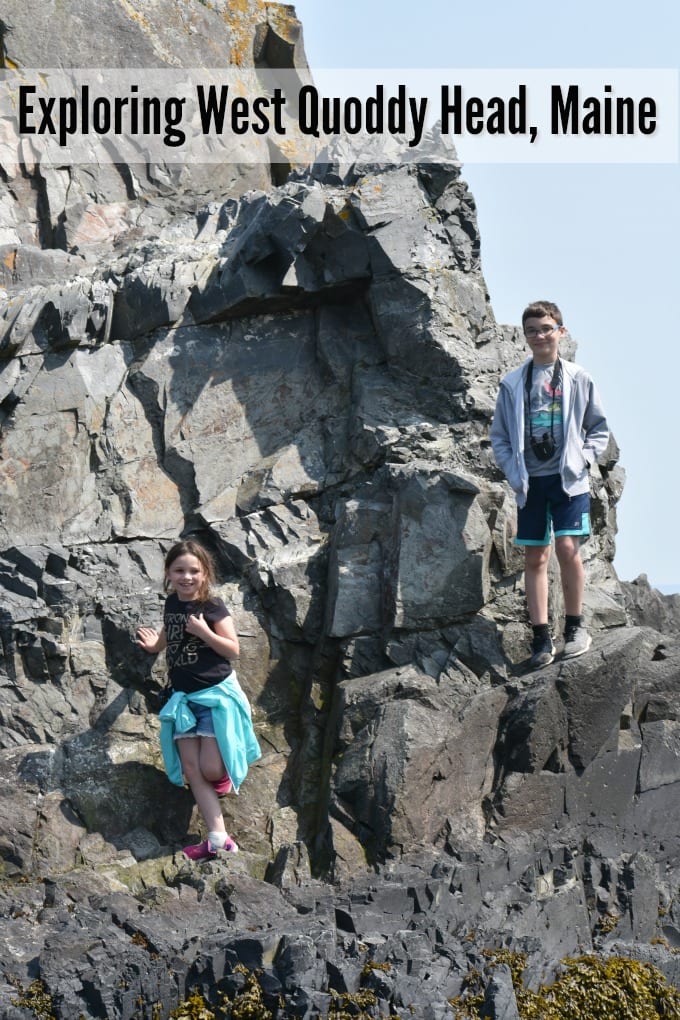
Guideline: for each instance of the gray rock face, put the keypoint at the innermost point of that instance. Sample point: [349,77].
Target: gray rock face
[500,1002]
[80,207]
[302,375]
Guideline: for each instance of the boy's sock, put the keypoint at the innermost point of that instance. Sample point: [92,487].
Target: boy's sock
[572,622]
[541,630]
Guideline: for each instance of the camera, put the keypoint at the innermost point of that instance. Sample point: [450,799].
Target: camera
[543,448]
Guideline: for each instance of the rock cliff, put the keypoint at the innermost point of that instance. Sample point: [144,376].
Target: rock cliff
[302,373]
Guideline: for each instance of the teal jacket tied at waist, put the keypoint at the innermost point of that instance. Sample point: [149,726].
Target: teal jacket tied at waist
[233,728]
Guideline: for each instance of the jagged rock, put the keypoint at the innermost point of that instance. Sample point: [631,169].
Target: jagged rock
[83,207]
[499,998]
[400,732]
[647,606]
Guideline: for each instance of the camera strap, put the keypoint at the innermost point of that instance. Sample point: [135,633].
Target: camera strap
[554,383]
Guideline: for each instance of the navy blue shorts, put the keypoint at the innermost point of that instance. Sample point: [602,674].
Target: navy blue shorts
[548,506]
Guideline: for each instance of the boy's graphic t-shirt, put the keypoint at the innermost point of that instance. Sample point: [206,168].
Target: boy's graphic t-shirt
[541,408]
[192,665]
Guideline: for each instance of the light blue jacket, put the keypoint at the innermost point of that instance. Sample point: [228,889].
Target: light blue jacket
[233,728]
[586,433]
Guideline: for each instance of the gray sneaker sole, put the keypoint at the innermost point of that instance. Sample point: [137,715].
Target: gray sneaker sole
[544,659]
[579,651]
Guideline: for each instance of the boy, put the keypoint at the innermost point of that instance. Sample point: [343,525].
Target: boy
[548,428]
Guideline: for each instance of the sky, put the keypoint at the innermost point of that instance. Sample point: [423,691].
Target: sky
[599,239]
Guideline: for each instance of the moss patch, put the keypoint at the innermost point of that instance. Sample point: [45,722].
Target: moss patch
[589,988]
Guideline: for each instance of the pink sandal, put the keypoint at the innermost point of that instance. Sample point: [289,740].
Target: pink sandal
[223,786]
[205,851]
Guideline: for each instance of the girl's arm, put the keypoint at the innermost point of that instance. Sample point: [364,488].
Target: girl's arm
[151,640]
[223,639]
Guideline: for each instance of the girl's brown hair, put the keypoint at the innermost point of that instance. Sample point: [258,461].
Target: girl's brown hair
[189,547]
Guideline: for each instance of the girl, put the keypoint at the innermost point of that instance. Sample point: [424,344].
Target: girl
[206,729]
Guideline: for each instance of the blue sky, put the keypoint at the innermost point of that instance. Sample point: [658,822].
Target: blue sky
[602,240]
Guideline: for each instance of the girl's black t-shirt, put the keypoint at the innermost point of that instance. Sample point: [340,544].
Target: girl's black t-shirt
[192,665]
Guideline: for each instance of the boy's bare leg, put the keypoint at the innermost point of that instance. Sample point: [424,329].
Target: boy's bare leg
[536,559]
[568,552]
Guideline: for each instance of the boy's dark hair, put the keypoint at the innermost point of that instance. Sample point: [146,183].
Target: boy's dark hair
[537,309]
[190,547]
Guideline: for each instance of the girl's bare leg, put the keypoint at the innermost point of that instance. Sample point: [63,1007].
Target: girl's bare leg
[211,763]
[207,801]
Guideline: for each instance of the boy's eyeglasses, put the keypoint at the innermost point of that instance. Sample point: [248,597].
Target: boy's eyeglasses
[531,334]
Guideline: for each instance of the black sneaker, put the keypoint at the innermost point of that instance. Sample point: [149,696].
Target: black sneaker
[577,640]
[542,651]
